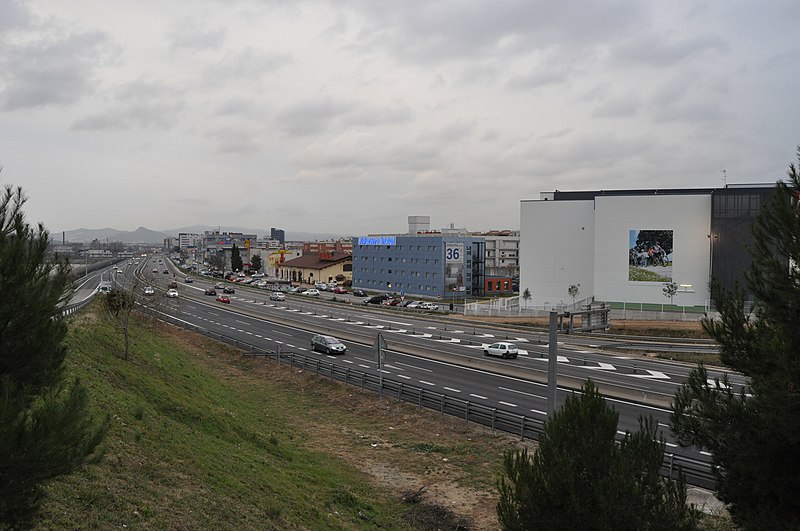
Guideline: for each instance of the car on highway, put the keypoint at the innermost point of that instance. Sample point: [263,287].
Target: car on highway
[277,296]
[327,344]
[219,285]
[224,298]
[155,270]
[149,291]
[332,286]
[172,293]
[172,285]
[313,292]
[188,280]
[425,305]
[228,289]
[359,293]
[322,286]
[339,290]
[166,271]
[502,349]
[210,291]
[413,304]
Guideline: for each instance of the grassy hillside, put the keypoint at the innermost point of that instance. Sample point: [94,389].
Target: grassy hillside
[202,438]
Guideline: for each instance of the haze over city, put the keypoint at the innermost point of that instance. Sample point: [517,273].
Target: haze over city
[346,117]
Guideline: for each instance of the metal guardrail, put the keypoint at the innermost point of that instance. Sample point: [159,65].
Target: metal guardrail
[697,473]
[78,306]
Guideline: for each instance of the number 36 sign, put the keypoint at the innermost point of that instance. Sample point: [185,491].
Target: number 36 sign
[454,253]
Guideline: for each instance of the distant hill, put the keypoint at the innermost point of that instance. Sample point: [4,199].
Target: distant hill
[148,236]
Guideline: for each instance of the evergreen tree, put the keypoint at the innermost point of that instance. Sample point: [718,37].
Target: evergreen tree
[236,259]
[754,436]
[255,262]
[46,429]
[580,478]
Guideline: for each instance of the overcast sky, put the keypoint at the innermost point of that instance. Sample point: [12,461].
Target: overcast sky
[347,116]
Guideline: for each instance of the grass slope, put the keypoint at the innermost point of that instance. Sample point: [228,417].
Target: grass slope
[204,439]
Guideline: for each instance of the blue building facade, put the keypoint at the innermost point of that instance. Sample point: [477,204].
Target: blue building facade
[426,265]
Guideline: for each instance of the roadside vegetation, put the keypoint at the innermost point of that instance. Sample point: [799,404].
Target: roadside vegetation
[202,438]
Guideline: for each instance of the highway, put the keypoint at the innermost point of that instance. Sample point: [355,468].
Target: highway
[426,352]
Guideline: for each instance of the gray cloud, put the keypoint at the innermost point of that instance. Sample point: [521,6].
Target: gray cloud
[186,35]
[657,51]
[13,15]
[54,70]
[250,64]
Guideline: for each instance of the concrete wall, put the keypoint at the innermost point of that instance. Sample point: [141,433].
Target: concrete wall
[688,216]
[557,248]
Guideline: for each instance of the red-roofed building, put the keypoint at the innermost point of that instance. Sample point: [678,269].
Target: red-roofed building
[318,267]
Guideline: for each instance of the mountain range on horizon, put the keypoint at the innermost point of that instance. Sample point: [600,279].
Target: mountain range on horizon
[149,236]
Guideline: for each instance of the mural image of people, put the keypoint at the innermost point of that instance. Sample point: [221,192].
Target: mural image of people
[650,255]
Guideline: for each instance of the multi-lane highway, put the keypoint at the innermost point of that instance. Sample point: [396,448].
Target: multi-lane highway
[431,353]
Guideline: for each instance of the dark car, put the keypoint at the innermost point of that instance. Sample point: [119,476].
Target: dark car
[376,299]
[227,289]
[210,291]
[327,344]
[188,280]
[166,271]
[359,293]
[173,285]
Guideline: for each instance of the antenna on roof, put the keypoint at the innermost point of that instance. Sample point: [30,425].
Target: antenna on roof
[724,178]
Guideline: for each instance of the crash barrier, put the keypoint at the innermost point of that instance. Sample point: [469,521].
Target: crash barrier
[72,308]
[697,473]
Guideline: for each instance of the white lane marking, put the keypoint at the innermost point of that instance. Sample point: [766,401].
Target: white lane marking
[521,392]
[521,339]
[427,383]
[427,335]
[657,375]
[243,322]
[346,361]
[705,453]
[248,333]
[290,346]
[538,412]
[414,367]
[621,357]
[404,377]
[282,333]
[451,340]
[392,367]
[365,366]
[485,335]
[560,359]
[385,372]
[398,331]
[212,313]
[391,322]
[331,357]
[258,335]
[451,389]
[507,403]
[458,332]
[603,367]
[478,396]
[431,327]
[303,349]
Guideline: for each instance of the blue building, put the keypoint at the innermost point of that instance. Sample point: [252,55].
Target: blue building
[428,265]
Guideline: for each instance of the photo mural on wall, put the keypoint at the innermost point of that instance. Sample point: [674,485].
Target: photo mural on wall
[650,256]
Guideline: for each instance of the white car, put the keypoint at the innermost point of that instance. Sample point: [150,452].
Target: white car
[312,292]
[277,296]
[425,305]
[321,286]
[502,349]
[149,291]
[172,294]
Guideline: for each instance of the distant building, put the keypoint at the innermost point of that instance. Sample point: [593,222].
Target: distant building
[623,246]
[425,264]
[332,246]
[216,243]
[502,252]
[319,267]
[277,234]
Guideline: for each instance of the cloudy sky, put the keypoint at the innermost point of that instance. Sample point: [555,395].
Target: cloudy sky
[347,116]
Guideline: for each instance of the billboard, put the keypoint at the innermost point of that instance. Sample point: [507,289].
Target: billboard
[454,266]
[650,255]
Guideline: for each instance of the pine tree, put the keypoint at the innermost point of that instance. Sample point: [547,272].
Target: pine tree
[579,478]
[255,262]
[754,436]
[236,259]
[46,429]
